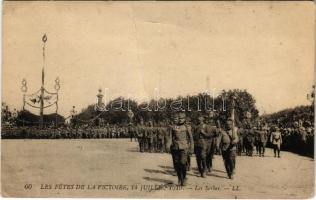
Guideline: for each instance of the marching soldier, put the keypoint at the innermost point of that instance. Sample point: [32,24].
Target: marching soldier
[155,139]
[276,140]
[160,139]
[249,140]
[263,138]
[257,138]
[149,136]
[228,142]
[218,138]
[240,145]
[200,145]
[167,138]
[141,136]
[188,123]
[212,133]
[108,132]
[181,146]
[130,132]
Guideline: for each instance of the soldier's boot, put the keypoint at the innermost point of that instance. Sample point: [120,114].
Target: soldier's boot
[184,182]
[188,165]
[180,178]
[203,174]
[274,151]
[179,181]
[210,165]
[232,176]
[184,178]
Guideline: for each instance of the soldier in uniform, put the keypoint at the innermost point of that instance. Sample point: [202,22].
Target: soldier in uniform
[218,151]
[141,136]
[167,137]
[155,139]
[188,123]
[240,145]
[200,145]
[160,139]
[257,138]
[263,138]
[130,132]
[276,141]
[249,140]
[228,142]
[181,146]
[211,139]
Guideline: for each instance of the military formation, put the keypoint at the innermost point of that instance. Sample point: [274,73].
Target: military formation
[182,139]
[150,138]
[208,136]
[204,138]
[66,132]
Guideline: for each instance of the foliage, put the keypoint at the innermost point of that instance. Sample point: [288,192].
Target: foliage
[161,110]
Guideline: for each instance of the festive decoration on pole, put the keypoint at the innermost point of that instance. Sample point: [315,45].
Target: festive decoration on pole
[233,110]
[42,98]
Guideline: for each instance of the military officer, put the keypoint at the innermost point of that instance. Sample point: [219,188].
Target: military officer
[200,145]
[276,141]
[228,142]
[181,146]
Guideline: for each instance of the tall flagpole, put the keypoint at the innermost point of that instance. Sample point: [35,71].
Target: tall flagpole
[233,111]
[44,39]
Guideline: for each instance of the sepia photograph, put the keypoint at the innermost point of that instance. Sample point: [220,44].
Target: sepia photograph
[158,99]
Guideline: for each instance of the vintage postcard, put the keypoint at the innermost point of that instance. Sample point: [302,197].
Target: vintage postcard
[146,99]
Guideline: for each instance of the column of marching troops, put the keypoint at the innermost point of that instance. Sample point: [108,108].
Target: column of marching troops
[182,139]
[206,138]
[66,132]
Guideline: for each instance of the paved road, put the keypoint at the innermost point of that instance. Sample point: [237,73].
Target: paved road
[115,168]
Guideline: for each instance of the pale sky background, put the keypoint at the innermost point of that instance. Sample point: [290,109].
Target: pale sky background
[264,47]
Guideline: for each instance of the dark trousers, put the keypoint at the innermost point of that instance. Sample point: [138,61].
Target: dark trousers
[249,148]
[240,146]
[257,147]
[149,144]
[262,146]
[276,149]
[229,157]
[160,146]
[210,150]
[141,142]
[180,160]
[200,154]
[188,162]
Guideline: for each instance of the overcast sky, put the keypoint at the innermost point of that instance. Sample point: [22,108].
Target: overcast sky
[264,47]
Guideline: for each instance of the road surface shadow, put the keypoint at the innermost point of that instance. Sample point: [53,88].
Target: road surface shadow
[160,180]
[167,172]
[218,176]
[216,170]
[165,167]
[156,171]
